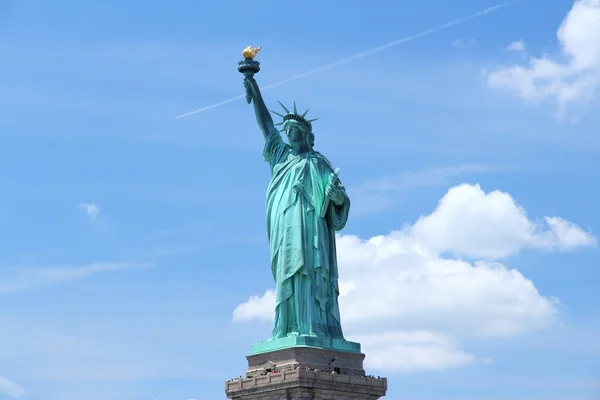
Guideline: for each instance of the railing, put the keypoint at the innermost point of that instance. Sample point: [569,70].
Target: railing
[294,375]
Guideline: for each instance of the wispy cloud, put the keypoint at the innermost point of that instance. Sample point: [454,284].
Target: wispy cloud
[518,45]
[10,388]
[378,194]
[464,43]
[91,209]
[25,278]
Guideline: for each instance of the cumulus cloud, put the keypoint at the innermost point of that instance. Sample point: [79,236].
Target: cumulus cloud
[411,284]
[91,209]
[472,223]
[258,307]
[571,76]
[408,351]
[10,388]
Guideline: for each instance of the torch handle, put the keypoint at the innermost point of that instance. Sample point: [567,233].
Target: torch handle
[248,75]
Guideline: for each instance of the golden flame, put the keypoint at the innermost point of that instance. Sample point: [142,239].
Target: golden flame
[250,52]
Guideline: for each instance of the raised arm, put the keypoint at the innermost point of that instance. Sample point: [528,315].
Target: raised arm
[263,117]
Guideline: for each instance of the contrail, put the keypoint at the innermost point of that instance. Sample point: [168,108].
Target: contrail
[365,53]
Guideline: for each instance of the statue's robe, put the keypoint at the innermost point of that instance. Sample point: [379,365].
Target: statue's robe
[302,242]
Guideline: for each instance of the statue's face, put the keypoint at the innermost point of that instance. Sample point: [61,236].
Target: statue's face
[295,133]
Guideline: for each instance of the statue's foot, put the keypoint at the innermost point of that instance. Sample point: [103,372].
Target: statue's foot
[293,334]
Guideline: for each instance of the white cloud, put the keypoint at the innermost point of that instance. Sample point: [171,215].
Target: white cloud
[404,283]
[518,46]
[563,235]
[473,223]
[91,209]
[24,278]
[257,307]
[407,351]
[570,77]
[10,388]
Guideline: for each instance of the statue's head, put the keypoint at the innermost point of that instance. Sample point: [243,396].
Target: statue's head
[297,133]
[296,127]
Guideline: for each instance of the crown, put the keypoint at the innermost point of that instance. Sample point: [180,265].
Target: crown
[307,123]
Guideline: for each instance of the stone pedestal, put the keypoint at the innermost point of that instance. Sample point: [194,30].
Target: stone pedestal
[306,373]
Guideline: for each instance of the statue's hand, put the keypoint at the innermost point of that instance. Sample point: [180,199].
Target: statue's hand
[335,191]
[251,86]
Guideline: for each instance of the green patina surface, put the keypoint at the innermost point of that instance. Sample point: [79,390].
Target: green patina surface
[304,341]
[305,205]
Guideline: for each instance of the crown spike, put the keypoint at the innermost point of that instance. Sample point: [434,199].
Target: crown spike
[305,112]
[279,123]
[311,120]
[286,110]
[275,112]
[295,110]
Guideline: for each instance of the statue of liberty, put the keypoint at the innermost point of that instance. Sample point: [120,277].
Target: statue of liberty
[305,205]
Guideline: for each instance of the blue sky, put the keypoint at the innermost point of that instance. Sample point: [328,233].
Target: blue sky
[132,241]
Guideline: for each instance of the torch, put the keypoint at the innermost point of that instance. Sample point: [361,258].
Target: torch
[248,66]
